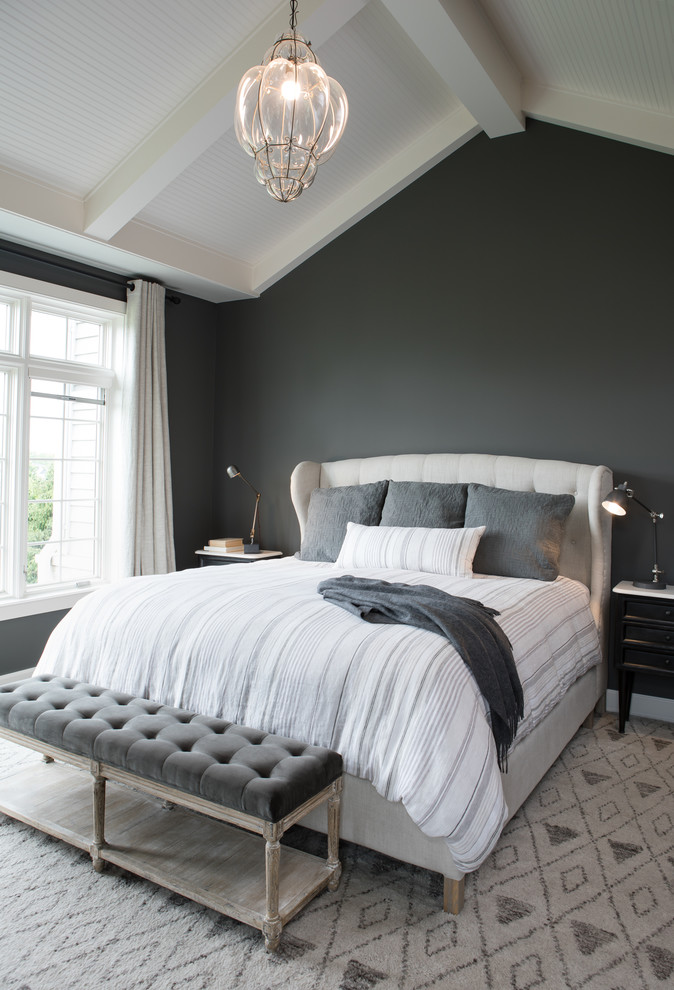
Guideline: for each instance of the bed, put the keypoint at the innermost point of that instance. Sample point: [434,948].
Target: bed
[258,644]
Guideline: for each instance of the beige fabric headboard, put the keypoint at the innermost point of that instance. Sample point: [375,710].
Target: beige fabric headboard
[586,548]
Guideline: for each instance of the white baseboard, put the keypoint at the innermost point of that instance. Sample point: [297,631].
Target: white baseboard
[645,705]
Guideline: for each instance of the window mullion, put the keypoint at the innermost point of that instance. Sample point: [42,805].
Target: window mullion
[57,371]
[20,483]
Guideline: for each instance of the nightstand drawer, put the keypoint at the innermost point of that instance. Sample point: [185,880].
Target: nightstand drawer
[649,634]
[649,610]
[654,661]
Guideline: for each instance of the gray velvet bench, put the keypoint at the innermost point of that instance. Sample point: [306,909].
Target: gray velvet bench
[161,765]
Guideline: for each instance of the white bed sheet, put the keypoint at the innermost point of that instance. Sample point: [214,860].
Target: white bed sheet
[256,644]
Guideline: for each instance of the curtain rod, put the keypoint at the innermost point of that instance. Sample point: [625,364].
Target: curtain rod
[171,298]
[118,280]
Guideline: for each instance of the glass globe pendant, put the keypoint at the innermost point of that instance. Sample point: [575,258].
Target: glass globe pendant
[289,115]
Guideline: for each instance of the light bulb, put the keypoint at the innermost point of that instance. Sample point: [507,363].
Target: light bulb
[290,90]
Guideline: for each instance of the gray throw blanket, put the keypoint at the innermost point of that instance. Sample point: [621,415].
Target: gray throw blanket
[469,626]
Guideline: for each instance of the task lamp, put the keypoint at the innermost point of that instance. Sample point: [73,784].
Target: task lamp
[251,547]
[617,502]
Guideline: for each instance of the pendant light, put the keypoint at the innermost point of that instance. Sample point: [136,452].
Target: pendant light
[289,115]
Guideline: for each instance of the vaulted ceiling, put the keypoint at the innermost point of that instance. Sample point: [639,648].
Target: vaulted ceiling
[117,144]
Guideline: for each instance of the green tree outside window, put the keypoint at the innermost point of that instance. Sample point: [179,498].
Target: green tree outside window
[40,514]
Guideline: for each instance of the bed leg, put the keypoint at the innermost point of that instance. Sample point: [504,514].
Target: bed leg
[452,895]
[589,721]
[600,707]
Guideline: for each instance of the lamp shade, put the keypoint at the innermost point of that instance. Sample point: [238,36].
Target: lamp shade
[616,502]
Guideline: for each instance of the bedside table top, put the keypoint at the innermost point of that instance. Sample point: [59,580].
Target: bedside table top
[627,588]
[246,558]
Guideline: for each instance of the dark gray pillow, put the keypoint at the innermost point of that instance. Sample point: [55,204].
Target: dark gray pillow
[523,532]
[428,504]
[330,509]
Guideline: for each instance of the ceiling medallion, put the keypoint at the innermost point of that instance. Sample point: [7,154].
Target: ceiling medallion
[289,115]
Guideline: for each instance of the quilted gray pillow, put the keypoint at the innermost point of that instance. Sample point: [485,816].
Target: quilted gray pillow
[523,531]
[427,504]
[330,509]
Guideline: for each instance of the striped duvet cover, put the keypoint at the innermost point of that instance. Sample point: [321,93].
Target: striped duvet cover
[258,645]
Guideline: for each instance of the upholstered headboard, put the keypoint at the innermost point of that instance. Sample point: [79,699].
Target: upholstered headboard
[586,548]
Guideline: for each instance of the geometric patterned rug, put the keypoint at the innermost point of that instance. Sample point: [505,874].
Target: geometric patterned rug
[579,893]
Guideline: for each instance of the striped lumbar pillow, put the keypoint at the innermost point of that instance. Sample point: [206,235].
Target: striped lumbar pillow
[435,551]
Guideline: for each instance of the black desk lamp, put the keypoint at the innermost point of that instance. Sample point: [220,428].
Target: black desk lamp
[251,547]
[617,502]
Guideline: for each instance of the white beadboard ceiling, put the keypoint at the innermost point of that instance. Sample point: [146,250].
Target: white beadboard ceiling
[117,145]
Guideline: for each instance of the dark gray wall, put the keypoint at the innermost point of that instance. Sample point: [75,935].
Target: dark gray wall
[190,357]
[190,369]
[516,300]
[22,640]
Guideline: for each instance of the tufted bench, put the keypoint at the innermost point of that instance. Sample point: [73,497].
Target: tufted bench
[258,782]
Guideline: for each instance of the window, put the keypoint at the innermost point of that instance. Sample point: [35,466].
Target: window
[59,436]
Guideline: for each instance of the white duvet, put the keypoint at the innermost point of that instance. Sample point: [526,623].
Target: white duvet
[256,644]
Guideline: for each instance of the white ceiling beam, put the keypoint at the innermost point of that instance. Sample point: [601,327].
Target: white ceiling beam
[224,277]
[379,186]
[198,122]
[630,124]
[217,279]
[40,216]
[27,198]
[463,48]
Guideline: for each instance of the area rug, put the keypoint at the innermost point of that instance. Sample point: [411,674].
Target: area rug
[577,894]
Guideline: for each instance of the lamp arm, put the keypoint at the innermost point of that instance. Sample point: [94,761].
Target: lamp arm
[257,493]
[257,502]
[658,574]
[652,514]
[257,505]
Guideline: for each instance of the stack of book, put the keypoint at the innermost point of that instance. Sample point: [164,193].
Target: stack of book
[225,545]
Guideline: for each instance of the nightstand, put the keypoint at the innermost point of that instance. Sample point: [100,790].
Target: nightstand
[208,558]
[642,637]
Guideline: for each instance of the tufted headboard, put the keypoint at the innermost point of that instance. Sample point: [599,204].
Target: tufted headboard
[586,547]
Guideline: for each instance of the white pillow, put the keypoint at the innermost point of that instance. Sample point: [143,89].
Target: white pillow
[435,551]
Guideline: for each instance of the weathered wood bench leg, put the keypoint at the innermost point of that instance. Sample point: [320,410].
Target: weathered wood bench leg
[453,894]
[99,819]
[272,924]
[334,810]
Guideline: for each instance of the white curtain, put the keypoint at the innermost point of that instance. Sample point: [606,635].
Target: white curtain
[148,539]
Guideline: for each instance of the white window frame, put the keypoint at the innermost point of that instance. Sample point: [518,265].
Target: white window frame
[19,599]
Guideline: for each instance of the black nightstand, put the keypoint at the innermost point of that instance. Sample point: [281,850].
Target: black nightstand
[642,637]
[208,558]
